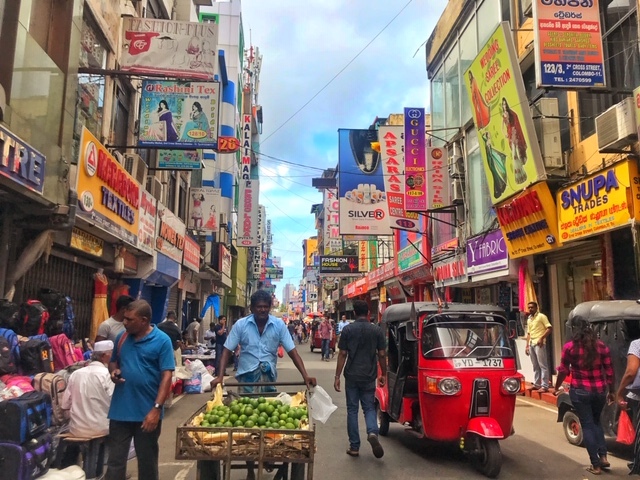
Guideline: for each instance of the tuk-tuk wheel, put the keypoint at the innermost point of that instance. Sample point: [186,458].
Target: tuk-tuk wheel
[311,346]
[572,428]
[487,459]
[383,420]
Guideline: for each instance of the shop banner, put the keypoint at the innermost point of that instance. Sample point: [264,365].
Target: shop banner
[392,157]
[487,253]
[599,202]
[339,264]
[373,255]
[274,273]
[225,259]
[256,262]
[170,233]
[191,258]
[147,222]
[395,291]
[175,49]
[415,164]
[420,274]
[248,211]
[108,196]
[363,256]
[87,243]
[311,251]
[451,272]
[245,158]
[507,137]
[363,206]
[568,43]
[529,222]
[20,162]
[409,257]
[438,180]
[180,115]
[179,160]
[203,209]
[636,96]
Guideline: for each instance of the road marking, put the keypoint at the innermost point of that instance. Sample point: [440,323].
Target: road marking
[175,464]
[182,474]
[548,409]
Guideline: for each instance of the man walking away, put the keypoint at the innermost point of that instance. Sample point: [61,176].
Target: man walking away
[326,334]
[360,343]
[221,337]
[141,367]
[538,329]
[170,327]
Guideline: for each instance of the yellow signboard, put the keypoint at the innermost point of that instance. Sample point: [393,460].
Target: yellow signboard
[636,102]
[508,143]
[600,202]
[311,250]
[108,196]
[86,242]
[528,221]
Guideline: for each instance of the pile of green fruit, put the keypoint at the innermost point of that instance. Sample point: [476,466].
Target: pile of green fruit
[256,413]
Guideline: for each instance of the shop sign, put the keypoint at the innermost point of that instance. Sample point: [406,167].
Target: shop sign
[409,256]
[174,49]
[380,274]
[568,43]
[274,273]
[350,290]
[529,222]
[108,196]
[508,143]
[438,180]
[224,259]
[245,158]
[421,274]
[363,256]
[451,272]
[363,200]
[311,250]
[335,295]
[130,261]
[191,258]
[228,144]
[392,157]
[179,115]
[636,96]
[179,160]
[395,291]
[374,294]
[20,162]
[339,265]
[599,202]
[85,242]
[170,234]
[360,287]
[248,213]
[147,222]
[203,209]
[445,247]
[415,163]
[383,294]
[487,253]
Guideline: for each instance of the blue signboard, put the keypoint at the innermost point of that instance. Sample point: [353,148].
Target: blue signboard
[20,162]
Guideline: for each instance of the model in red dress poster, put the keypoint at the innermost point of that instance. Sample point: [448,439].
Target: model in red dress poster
[481,109]
[513,132]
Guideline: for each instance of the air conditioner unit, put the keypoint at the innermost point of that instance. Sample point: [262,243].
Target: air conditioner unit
[135,165]
[527,9]
[616,127]
[457,192]
[548,131]
[119,157]
[156,188]
[224,220]
[456,166]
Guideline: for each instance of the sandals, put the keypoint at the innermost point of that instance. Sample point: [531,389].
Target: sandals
[594,470]
[605,465]
[543,390]
[353,453]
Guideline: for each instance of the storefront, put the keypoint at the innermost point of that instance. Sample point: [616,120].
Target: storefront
[450,272]
[189,284]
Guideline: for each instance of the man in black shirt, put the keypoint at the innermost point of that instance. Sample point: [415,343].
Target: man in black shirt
[170,327]
[360,343]
[221,337]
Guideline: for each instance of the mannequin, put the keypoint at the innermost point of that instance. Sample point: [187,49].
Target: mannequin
[99,311]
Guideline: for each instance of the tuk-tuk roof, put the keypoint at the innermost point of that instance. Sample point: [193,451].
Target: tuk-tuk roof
[605,311]
[402,311]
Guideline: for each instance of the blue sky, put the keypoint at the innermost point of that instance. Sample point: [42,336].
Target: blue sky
[304,44]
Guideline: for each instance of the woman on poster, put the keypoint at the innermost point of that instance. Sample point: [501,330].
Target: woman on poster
[164,129]
[481,109]
[211,222]
[198,121]
[196,212]
[497,165]
[513,132]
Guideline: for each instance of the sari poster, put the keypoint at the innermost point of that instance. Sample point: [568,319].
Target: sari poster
[508,142]
[179,115]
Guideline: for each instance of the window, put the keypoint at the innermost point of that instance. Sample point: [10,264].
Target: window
[452,94]
[49,23]
[481,212]
[171,196]
[121,118]
[468,52]
[488,17]
[182,200]
[437,107]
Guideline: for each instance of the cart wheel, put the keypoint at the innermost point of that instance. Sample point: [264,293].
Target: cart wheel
[572,428]
[208,470]
[488,459]
[297,471]
[311,345]
[383,420]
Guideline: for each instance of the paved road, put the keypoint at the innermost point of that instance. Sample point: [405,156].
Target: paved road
[538,450]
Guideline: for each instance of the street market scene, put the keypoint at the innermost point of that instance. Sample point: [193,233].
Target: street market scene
[283,240]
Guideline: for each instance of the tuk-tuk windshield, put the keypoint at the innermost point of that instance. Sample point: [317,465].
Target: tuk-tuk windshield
[478,336]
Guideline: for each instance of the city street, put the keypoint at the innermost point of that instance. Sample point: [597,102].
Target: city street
[537,450]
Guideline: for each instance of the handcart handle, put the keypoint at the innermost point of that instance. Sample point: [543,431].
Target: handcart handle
[269,384]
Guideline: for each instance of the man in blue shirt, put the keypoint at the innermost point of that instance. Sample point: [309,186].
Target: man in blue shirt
[141,366]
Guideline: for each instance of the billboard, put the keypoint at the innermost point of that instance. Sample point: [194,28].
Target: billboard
[245,157]
[179,160]
[331,237]
[147,222]
[21,162]
[415,169]
[170,233]
[248,214]
[175,49]
[191,258]
[179,115]
[568,44]
[363,208]
[508,143]
[438,180]
[204,208]
[311,250]
[339,264]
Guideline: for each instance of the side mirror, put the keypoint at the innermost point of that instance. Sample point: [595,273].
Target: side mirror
[513,328]
[411,331]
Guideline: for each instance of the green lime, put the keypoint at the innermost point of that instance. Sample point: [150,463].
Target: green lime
[204,424]
[270,409]
[275,419]
[263,415]
[277,403]
[262,400]
[238,424]
[219,424]
[262,421]
[248,411]
[214,419]
[283,416]
[296,422]
[228,424]
[262,407]
[246,400]
[249,424]
[235,409]
[233,418]
[254,403]
[254,418]
[289,426]
[243,418]
[282,423]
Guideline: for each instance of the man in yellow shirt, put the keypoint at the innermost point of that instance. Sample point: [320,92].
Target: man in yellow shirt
[538,329]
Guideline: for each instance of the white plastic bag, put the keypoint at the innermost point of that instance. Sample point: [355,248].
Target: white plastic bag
[285,398]
[196,366]
[206,382]
[321,404]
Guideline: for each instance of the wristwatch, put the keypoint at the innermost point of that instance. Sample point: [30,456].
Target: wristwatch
[157,405]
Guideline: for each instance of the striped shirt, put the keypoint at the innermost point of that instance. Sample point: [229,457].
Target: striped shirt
[593,379]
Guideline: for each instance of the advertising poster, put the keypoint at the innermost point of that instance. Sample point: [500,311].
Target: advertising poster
[179,160]
[147,222]
[331,204]
[599,202]
[415,170]
[176,49]
[225,260]
[409,257]
[529,222]
[170,233]
[508,143]
[363,201]
[568,43]
[438,180]
[391,139]
[179,115]
[311,250]
[191,258]
[487,253]
[339,265]
[204,209]
[248,212]
[108,196]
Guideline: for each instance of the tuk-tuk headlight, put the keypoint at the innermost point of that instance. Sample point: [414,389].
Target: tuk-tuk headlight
[449,386]
[511,385]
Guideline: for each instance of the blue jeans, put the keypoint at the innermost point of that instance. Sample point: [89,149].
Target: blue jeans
[588,406]
[325,348]
[366,397]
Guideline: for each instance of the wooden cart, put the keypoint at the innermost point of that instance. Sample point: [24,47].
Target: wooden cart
[218,450]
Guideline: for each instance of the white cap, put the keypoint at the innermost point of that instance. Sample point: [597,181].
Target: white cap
[103,346]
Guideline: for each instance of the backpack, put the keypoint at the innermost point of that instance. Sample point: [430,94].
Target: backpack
[34,318]
[55,385]
[9,315]
[25,417]
[14,344]
[36,355]
[7,362]
[68,327]
[56,303]
[64,351]
[27,461]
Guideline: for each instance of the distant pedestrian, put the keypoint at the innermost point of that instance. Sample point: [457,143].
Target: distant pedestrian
[113,326]
[221,337]
[326,334]
[361,343]
[170,327]
[538,329]
[193,331]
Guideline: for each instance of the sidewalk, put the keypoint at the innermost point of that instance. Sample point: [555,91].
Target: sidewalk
[547,397]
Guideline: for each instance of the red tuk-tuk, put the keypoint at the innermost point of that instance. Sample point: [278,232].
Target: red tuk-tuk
[451,377]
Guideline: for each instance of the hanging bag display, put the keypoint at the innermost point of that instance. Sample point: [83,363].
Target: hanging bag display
[36,355]
[55,385]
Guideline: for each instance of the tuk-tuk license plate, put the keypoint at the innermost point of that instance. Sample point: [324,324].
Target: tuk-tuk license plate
[477,362]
